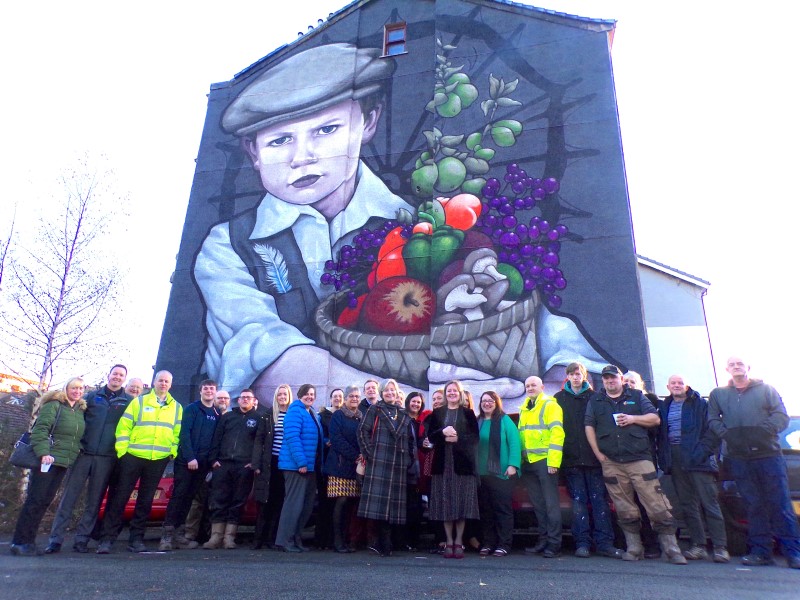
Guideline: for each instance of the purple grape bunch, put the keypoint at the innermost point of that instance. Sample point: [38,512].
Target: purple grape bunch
[354,262]
[531,245]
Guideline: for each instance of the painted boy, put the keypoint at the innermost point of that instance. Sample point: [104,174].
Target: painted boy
[260,273]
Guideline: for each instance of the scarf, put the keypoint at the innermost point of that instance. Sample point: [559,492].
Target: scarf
[493,461]
[350,414]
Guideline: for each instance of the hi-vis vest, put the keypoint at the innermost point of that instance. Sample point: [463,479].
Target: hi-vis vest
[541,431]
[149,430]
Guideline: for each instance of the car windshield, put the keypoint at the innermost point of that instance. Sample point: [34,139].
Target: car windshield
[790,437]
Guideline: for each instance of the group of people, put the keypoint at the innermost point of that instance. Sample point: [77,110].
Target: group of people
[370,462]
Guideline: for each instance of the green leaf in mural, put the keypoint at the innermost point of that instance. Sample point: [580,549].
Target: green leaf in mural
[494,86]
[485,153]
[506,102]
[476,166]
[510,87]
[513,125]
[473,186]
[451,141]
[503,137]
[473,140]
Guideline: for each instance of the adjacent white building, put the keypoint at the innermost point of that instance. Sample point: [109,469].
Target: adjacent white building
[677,330]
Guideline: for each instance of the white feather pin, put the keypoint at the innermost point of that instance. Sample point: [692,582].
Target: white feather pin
[275,265]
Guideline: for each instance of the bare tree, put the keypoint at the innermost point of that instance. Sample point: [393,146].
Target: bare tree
[6,245]
[61,284]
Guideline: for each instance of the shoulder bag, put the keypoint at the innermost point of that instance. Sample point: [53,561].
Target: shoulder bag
[23,455]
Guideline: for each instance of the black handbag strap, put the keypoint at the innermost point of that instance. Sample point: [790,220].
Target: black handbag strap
[53,426]
[55,422]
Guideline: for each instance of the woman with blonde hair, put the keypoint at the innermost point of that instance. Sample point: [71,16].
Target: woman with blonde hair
[387,445]
[56,440]
[281,400]
[453,431]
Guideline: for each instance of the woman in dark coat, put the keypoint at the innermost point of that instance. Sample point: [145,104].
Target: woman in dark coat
[280,403]
[262,453]
[340,466]
[388,446]
[453,431]
[62,413]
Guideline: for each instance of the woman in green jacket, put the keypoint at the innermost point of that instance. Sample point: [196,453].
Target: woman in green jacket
[498,464]
[56,440]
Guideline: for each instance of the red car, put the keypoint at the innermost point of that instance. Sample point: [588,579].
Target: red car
[158,512]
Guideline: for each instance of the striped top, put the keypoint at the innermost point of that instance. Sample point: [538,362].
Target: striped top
[277,435]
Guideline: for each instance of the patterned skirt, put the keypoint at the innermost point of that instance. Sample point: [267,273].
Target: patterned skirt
[339,487]
[453,497]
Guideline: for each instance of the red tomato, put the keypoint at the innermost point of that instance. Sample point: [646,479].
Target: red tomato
[461,211]
[424,227]
[391,265]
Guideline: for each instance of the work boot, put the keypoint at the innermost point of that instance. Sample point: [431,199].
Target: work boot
[215,541]
[635,550]
[165,545]
[229,540]
[182,541]
[669,546]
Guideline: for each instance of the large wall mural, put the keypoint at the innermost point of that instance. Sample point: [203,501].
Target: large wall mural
[457,211]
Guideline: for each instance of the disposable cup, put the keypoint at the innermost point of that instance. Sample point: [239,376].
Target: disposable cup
[45,467]
[616,417]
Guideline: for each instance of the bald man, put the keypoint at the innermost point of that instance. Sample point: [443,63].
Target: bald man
[541,432]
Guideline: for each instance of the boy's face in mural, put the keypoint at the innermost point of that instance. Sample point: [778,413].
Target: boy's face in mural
[314,160]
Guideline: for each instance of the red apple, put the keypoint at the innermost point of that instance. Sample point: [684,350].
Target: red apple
[398,306]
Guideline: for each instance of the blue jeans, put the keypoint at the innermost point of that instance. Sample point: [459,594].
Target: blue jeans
[764,485]
[586,487]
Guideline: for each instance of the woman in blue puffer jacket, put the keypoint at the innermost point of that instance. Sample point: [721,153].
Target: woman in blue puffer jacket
[300,457]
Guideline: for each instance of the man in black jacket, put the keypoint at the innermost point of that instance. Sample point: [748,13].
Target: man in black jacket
[191,465]
[686,451]
[582,470]
[231,458]
[95,463]
[748,415]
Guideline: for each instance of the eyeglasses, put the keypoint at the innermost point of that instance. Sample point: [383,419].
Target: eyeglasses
[488,401]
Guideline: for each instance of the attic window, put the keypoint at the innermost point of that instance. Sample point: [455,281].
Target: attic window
[394,39]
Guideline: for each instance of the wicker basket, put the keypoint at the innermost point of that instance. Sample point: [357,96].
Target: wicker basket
[503,344]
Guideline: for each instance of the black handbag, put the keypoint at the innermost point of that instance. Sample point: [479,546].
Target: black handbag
[23,455]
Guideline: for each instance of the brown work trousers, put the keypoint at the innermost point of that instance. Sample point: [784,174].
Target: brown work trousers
[624,482]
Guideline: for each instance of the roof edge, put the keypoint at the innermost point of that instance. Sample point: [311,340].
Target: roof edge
[649,262]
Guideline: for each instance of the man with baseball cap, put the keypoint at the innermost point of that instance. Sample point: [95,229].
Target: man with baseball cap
[617,419]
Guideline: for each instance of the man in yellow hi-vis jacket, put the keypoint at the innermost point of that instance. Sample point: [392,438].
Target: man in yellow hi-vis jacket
[147,437]
[541,432]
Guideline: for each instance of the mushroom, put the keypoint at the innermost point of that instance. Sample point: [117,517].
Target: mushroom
[457,294]
[483,260]
[473,314]
[482,281]
[450,319]
[494,294]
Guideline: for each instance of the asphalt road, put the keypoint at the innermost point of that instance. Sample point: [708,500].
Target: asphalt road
[243,573]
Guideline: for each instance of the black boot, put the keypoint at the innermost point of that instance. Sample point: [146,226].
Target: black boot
[259,535]
[339,525]
[385,538]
